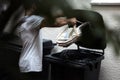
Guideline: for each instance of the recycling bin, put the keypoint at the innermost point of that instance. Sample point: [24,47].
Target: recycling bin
[72,64]
[82,63]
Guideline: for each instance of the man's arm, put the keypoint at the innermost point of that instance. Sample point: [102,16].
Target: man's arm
[60,21]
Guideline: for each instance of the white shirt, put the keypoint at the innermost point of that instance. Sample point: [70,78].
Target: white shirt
[31,56]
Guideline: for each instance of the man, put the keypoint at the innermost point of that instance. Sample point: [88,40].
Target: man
[30,33]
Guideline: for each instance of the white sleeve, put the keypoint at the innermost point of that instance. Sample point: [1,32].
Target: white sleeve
[35,22]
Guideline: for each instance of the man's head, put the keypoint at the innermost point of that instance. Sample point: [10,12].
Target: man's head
[31,5]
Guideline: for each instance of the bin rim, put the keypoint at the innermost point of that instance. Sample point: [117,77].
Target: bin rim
[71,63]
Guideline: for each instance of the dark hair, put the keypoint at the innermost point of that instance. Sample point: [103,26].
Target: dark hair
[28,3]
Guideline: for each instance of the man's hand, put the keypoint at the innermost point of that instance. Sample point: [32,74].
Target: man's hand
[60,21]
[72,21]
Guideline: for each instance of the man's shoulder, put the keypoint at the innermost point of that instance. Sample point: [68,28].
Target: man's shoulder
[37,16]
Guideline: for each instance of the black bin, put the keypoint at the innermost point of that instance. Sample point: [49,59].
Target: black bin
[75,64]
[83,63]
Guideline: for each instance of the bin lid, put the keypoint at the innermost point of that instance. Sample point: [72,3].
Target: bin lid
[93,34]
